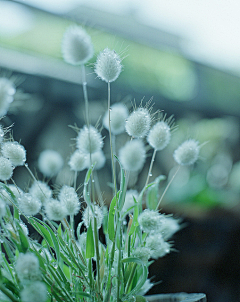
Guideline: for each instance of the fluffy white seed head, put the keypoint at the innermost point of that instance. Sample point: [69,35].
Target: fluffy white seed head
[27,267]
[132,155]
[15,152]
[6,168]
[159,136]
[55,210]
[77,161]
[50,162]
[138,123]
[142,253]
[29,205]
[89,140]
[118,116]
[108,65]
[77,47]
[129,201]
[69,198]
[41,191]
[98,158]
[13,230]
[2,208]
[187,153]
[88,216]
[169,227]
[7,91]
[35,291]
[157,246]
[149,221]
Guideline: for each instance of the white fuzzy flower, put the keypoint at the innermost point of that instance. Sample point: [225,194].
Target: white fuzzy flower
[88,216]
[12,229]
[98,158]
[2,208]
[132,155]
[7,91]
[158,247]
[69,198]
[145,288]
[129,201]
[118,115]
[138,123]
[27,267]
[35,291]
[77,161]
[77,46]
[89,140]
[15,152]
[159,136]
[187,153]
[142,253]
[55,210]
[150,220]
[41,191]
[169,227]
[29,204]
[6,168]
[50,162]
[108,65]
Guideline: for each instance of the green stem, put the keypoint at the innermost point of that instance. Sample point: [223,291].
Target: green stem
[97,253]
[85,94]
[151,165]
[111,144]
[164,192]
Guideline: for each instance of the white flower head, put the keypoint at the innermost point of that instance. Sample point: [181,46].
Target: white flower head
[150,220]
[15,152]
[89,140]
[142,253]
[77,161]
[6,168]
[69,198]
[55,210]
[132,155]
[129,201]
[35,291]
[169,227]
[108,65]
[88,216]
[157,245]
[138,123]
[27,267]
[50,162]
[2,208]
[187,153]
[159,135]
[118,115]
[77,47]
[29,204]
[7,91]
[41,191]
[98,158]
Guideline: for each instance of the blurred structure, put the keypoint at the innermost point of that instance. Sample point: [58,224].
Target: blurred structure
[204,100]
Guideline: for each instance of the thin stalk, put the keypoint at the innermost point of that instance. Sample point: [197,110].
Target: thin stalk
[34,178]
[111,144]
[151,165]
[75,180]
[164,192]
[98,189]
[85,94]
[97,254]
[119,279]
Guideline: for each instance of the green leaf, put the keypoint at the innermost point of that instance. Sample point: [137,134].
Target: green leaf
[47,233]
[135,220]
[90,250]
[153,194]
[111,215]
[122,191]
[140,299]
[23,238]
[86,189]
